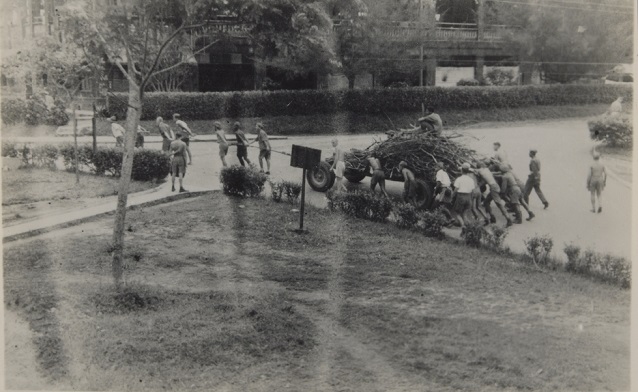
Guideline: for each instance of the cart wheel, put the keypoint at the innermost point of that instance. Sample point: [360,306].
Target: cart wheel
[320,178]
[424,195]
[354,176]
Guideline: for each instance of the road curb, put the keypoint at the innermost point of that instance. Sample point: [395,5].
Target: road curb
[75,222]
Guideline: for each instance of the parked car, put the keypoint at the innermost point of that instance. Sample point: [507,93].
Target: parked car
[619,78]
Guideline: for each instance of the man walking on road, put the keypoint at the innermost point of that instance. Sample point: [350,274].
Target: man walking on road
[223,143]
[534,179]
[242,143]
[166,132]
[178,151]
[183,127]
[596,181]
[118,131]
[264,147]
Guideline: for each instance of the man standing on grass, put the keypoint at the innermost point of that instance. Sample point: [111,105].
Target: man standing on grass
[339,165]
[463,187]
[118,131]
[178,152]
[242,143]
[378,176]
[223,143]
[486,175]
[166,132]
[409,184]
[183,128]
[534,179]
[264,147]
[596,181]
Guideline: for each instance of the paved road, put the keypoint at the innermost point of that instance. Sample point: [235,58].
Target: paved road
[563,146]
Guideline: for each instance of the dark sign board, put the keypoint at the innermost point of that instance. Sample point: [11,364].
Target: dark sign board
[304,157]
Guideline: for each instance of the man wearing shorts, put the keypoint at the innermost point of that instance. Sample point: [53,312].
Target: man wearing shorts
[183,127]
[242,144]
[463,187]
[378,176]
[223,143]
[409,184]
[596,181]
[178,152]
[486,176]
[264,147]
[338,165]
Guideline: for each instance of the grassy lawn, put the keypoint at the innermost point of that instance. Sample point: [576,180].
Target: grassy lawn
[220,294]
[32,185]
[322,124]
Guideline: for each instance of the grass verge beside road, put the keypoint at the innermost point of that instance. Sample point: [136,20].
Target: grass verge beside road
[221,294]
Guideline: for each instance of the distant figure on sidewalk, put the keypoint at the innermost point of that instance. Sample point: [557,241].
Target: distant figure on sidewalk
[378,176]
[596,181]
[463,187]
[338,165]
[178,152]
[534,179]
[431,119]
[409,184]
[223,143]
[118,131]
[183,127]
[264,147]
[242,143]
[166,132]
[615,109]
[139,137]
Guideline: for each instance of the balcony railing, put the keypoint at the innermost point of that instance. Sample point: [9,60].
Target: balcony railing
[443,31]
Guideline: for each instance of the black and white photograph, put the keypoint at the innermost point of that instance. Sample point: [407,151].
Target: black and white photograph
[318,195]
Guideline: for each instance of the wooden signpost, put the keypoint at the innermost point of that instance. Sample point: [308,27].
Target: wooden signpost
[305,158]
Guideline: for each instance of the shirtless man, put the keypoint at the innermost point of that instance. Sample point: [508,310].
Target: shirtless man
[223,143]
[486,176]
[500,156]
[166,132]
[378,176]
[182,126]
[596,181]
[339,165]
[409,189]
[178,152]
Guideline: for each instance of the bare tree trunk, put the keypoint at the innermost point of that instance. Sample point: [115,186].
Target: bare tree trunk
[351,79]
[132,121]
[75,147]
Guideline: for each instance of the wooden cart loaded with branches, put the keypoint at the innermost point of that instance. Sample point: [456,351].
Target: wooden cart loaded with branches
[421,150]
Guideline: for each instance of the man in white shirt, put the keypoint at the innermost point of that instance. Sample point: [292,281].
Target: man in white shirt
[463,187]
[443,184]
[118,131]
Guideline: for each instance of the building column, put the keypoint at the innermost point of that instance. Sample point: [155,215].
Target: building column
[479,68]
[430,72]
[480,20]
[526,70]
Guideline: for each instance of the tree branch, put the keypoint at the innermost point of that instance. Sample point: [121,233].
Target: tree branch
[169,68]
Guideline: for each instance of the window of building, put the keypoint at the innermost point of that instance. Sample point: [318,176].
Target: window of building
[86,85]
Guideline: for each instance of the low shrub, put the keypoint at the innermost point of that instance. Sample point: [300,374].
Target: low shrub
[276,190]
[292,190]
[9,150]
[499,77]
[44,155]
[35,111]
[406,216]
[431,223]
[539,249]
[360,204]
[494,237]
[604,267]
[57,115]
[468,82]
[473,234]
[242,181]
[85,152]
[614,131]
[150,165]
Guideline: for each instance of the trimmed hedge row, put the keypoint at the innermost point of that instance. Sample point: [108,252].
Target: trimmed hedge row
[208,106]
